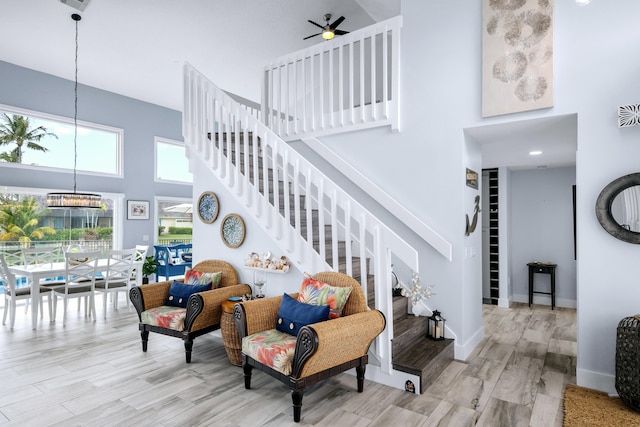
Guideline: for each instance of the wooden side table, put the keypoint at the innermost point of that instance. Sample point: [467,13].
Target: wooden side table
[230,338]
[542,268]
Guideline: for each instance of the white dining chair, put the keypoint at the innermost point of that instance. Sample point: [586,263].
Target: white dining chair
[117,277]
[43,256]
[80,281]
[12,293]
[140,256]
[141,252]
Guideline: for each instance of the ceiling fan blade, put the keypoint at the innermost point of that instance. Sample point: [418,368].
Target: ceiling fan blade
[316,24]
[336,23]
[312,35]
[340,32]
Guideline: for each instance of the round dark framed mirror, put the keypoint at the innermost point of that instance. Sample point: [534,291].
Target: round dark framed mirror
[618,209]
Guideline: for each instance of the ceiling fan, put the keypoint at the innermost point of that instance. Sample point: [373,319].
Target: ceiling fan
[328,30]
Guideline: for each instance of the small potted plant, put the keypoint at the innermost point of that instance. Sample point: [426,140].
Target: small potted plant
[149,267]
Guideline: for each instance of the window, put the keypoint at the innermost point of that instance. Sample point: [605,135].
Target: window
[27,223]
[99,147]
[174,217]
[172,164]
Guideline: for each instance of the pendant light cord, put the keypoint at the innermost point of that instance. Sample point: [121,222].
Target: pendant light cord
[67,200]
[75,110]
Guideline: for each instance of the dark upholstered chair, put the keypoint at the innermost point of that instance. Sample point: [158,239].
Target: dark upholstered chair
[202,314]
[322,349]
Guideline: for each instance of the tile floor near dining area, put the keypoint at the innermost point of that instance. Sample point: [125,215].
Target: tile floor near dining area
[95,373]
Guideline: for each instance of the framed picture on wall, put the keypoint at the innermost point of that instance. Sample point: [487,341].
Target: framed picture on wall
[137,209]
[472,179]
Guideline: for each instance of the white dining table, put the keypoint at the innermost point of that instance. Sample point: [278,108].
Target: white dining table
[34,273]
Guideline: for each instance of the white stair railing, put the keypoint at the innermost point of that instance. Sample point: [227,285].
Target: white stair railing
[257,166]
[348,83]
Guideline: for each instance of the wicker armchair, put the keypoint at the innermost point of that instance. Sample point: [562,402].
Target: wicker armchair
[203,309]
[322,349]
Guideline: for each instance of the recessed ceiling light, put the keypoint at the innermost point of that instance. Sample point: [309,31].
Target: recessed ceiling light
[583,2]
[535,153]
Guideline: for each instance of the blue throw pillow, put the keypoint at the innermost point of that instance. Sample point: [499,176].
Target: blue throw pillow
[293,315]
[179,293]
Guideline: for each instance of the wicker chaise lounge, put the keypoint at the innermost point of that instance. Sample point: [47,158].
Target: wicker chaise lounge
[321,350]
[202,312]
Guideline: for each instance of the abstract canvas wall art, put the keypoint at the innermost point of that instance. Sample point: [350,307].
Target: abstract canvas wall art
[517,56]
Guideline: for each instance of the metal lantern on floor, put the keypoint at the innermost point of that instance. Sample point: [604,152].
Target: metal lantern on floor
[435,326]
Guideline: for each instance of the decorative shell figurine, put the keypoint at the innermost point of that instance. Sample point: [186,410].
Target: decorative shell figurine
[267,262]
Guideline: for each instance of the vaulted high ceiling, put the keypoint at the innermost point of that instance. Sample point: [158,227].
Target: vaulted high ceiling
[137,47]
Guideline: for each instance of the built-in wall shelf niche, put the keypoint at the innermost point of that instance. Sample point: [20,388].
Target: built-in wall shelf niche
[494,249]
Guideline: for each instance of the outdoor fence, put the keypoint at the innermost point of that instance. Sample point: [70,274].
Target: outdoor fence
[174,241]
[13,255]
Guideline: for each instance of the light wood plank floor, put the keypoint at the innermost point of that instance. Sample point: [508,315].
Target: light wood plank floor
[95,373]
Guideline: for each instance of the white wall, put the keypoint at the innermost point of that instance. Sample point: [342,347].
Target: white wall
[603,75]
[594,74]
[541,205]
[595,71]
[208,244]
[423,165]
[472,262]
[504,239]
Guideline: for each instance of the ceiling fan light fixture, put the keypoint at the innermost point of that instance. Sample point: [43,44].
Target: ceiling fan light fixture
[328,34]
[329,30]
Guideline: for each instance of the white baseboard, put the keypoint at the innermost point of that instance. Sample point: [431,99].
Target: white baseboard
[461,352]
[397,379]
[596,381]
[504,302]
[546,300]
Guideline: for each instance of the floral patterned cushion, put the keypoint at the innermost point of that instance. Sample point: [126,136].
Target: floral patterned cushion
[195,277]
[165,317]
[271,348]
[316,292]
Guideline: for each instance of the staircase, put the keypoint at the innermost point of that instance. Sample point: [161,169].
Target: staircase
[325,234]
[412,352]
[314,222]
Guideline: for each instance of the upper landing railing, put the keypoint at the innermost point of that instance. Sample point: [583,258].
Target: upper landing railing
[348,83]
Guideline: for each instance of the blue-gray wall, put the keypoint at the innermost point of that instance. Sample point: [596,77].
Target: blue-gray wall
[541,216]
[141,122]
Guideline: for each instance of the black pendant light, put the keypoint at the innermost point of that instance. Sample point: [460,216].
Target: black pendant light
[65,200]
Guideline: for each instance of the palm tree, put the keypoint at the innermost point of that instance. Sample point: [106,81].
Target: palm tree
[19,222]
[16,129]
[11,156]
